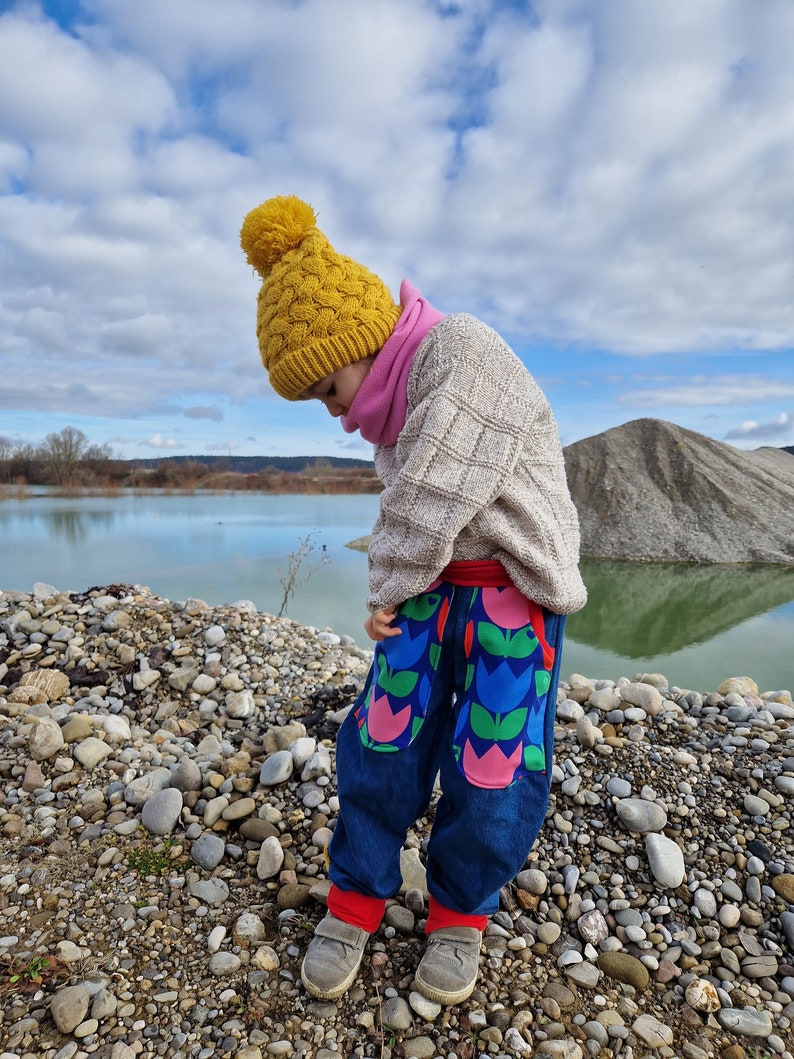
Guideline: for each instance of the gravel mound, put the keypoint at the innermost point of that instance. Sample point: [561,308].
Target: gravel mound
[653,490]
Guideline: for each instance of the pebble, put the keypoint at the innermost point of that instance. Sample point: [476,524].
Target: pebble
[640,815]
[655,913]
[161,812]
[276,769]
[207,850]
[69,1007]
[424,1008]
[666,860]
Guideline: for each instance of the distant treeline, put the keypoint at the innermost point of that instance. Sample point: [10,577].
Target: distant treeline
[68,460]
[255,464]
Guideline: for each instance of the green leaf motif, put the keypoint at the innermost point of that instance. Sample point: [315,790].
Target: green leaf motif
[417,724]
[512,724]
[469,677]
[482,723]
[420,608]
[434,654]
[534,758]
[494,727]
[504,644]
[398,684]
[542,682]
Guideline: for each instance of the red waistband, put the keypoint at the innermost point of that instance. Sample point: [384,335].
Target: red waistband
[476,573]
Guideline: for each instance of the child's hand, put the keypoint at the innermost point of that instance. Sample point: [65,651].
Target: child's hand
[378,625]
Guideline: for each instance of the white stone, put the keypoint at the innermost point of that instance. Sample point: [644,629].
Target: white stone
[223,963]
[204,684]
[652,1031]
[215,938]
[45,740]
[248,929]
[666,860]
[139,790]
[729,915]
[640,815]
[277,768]
[702,996]
[265,959]
[301,750]
[240,704]
[271,858]
[424,1008]
[91,751]
[705,902]
[644,696]
[215,635]
[116,728]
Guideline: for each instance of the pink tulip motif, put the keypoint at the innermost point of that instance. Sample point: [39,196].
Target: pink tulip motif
[494,770]
[509,610]
[506,607]
[383,725]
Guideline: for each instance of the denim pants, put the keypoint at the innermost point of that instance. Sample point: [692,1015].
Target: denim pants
[467,691]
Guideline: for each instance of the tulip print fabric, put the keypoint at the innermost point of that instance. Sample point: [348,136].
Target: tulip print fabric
[501,696]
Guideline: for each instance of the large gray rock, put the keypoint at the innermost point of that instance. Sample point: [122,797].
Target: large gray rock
[69,1007]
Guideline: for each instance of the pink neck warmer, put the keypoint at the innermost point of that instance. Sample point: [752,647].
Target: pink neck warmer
[379,408]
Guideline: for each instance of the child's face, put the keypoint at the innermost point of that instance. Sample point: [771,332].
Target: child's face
[338,390]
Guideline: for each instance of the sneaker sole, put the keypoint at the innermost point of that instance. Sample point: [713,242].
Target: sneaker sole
[330,994]
[439,996]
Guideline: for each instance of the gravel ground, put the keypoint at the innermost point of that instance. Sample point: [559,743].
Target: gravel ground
[168,793]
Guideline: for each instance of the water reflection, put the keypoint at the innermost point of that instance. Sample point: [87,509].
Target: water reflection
[640,610]
[698,624]
[74,527]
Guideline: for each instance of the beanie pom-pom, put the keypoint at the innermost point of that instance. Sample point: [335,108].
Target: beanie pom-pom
[271,230]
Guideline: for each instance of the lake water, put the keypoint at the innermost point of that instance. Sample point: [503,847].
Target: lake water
[695,624]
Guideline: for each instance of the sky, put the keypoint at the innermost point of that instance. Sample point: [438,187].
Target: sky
[609,184]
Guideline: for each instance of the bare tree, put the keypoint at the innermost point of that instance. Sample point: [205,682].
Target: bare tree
[62,453]
[7,448]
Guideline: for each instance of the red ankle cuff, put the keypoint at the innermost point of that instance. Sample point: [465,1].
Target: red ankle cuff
[438,916]
[356,909]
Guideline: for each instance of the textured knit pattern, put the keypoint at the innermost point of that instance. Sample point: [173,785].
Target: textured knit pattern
[318,311]
[477,473]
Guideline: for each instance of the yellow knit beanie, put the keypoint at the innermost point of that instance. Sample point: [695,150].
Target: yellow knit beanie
[317,310]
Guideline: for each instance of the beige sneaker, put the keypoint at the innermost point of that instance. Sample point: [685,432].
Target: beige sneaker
[447,973]
[333,957]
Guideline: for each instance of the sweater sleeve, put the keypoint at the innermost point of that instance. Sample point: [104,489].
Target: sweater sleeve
[471,403]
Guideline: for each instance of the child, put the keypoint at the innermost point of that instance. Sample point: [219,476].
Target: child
[472,566]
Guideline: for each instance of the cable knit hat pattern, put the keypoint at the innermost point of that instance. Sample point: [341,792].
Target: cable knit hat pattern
[317,310]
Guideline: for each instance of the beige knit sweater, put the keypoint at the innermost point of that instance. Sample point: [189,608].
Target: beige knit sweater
[477,473]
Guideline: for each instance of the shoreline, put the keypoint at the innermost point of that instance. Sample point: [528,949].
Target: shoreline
[169,791]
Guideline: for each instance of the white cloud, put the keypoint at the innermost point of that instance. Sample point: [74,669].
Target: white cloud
[779,430]
[156,441]
[702,390]
[602,177]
